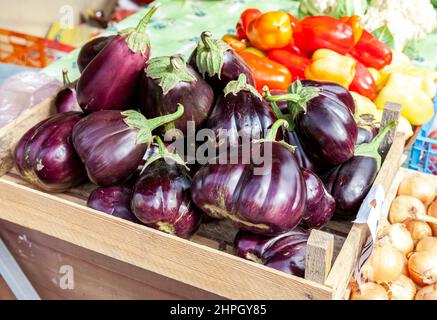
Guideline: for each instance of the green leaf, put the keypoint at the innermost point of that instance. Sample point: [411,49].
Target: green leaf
[307,8]
[410,49]
[384,35]
[210,55]
[241,84]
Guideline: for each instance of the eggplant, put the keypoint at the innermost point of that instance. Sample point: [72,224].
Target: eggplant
[240,114]
[45,155]
[354,178]
[322,119]
[112,144]
[161,198]
[364,136]
[319,204]
[264,196]
[284,252]
[66,99]
[218,63]
[91,49]
[114,201]
[168,81]
[110,80]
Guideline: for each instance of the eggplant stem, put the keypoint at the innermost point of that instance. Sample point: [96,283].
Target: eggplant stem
[142,25]
[65,78]
[161,145]
[205,36]
[284,97]
[176,62]
[157,122]
[271,135]
[278,113]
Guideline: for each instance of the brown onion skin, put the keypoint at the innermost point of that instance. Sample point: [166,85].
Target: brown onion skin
[45,155]
[91,49]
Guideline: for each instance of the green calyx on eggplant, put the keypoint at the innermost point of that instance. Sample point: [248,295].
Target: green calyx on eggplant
[110,80]
[45,155]
[240,114]
[261,189]
[91,49]
[168,81]
[350,182]
[284,252]
[112,144]
[323,119]
[218,63]
[161,197]
[66,98]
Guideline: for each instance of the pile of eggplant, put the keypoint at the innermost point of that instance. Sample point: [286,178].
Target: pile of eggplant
[110,130]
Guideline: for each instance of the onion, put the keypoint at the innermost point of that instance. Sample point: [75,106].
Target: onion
[427,293]
[403,288]
[369,291]
[418,187]
[405,271]
[405,207]
[427,244]
[423,267]
[384,265]
[418,229]
[398,236]
[432,212]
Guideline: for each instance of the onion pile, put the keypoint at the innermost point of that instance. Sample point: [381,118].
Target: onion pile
[427,293]
[369,291]
[418,187]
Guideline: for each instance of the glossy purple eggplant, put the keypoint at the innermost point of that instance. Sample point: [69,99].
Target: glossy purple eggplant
[240,114]
[261,189]
[284,252]
[161,197]
[168,81]
[66,99]
[322,119]
[218,63]
[319,205]
[91,49]
[45,155]
[366,134]
[112,144]
[114,201]
[354,178]
[110,80]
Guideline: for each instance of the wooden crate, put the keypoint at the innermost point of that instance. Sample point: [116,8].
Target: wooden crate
[114,258]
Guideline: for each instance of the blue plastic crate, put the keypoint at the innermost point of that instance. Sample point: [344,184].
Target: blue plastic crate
[424,151]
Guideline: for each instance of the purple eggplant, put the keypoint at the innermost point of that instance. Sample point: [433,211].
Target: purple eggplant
[284,252]
[91,49]
[114,201]
[110,80]
[319,205]
[161,197]
[45,155]
[240,114]
[364,135]
[354,178]
[262,194]
[322,119]
[66,99]
[168,81]
[112,144]
[218,63]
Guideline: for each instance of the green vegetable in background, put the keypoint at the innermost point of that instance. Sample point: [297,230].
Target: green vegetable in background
[384,35]
[341,9]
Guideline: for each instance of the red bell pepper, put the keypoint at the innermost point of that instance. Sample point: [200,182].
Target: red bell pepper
[295,63]
[323,32]
[247,16]
[363,82]
[295,50]
[371,52]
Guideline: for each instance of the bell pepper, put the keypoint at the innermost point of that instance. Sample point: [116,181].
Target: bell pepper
[255,51]
[247,16]
[323,32]
[328,65]
[363,82]
[294,21]
[267,72]
[356,24]
[234,42]
[417,106]
[295,50]
[376,75]
[270,30]
[371,52]
[295,63]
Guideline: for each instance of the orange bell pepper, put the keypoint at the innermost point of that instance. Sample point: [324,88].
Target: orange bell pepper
[267,72]
[270,30]
[295,63]
[356,24]
[234,43]
[246,16]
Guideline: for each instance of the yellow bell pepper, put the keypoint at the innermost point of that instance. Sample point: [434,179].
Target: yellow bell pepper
[376,75]
[407,90]
[328,65]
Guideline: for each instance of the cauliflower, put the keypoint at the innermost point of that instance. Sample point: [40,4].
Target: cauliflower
[335,8]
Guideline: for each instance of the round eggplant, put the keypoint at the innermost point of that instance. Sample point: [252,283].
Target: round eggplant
[91,49]
[284,252]
[218,63]
[45,155]
[319,205]
[263,195]
[112,144]
[110,80]
[168,81]
[66,99]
